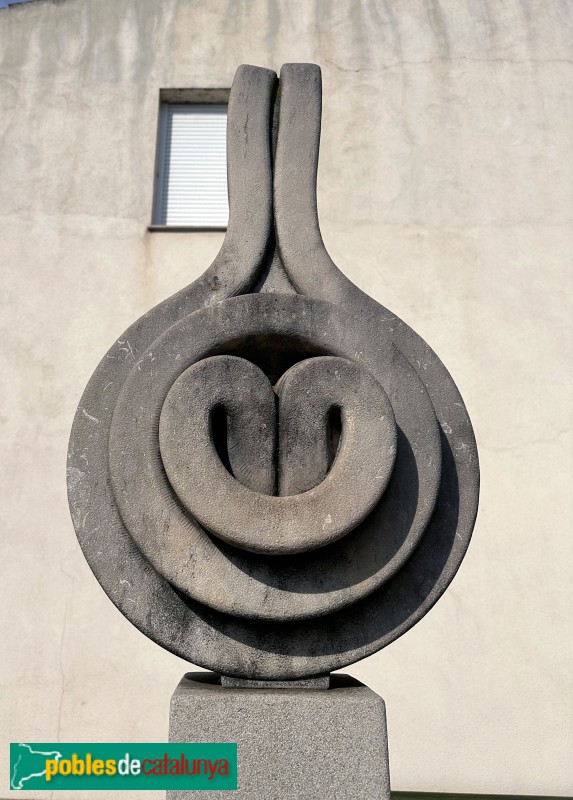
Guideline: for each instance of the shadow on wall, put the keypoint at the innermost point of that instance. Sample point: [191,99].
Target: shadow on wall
[6,3]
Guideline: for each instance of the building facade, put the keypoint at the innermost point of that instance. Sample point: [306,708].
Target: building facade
[445,192]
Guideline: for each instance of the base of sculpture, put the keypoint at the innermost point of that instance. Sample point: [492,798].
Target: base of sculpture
[325,741]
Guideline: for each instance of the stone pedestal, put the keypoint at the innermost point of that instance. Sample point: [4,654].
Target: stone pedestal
[308,743]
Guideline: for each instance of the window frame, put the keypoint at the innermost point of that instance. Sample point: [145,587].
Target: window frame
[167,97]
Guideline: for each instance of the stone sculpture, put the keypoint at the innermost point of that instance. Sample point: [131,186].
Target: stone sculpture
[270,474]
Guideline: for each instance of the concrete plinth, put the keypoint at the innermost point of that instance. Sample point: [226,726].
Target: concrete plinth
[293,743]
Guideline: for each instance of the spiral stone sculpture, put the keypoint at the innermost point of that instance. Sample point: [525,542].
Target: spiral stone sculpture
[270,474]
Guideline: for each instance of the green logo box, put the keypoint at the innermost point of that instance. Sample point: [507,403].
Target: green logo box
[119,766]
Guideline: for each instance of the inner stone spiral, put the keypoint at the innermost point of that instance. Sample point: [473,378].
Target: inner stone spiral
[310,510]
[292,548]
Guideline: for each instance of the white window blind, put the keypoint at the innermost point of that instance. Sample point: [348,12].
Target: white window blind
[192,166]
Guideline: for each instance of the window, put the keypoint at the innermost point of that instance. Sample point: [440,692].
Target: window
[191,168]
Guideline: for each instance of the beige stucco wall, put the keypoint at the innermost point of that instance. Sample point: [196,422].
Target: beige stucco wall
[446,193]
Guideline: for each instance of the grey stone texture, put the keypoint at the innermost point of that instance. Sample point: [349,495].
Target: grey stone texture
[301,744]
[281,476]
